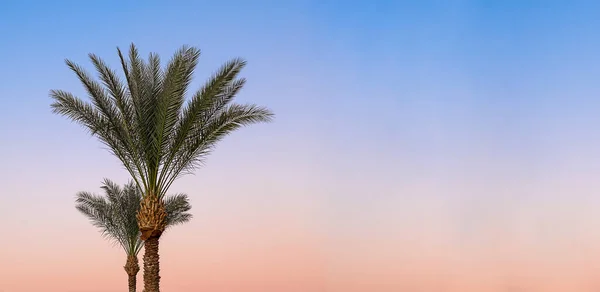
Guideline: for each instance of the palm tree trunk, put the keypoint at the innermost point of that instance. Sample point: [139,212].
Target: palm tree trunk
[151,265]
[132,268]
[151,221]
[132,283]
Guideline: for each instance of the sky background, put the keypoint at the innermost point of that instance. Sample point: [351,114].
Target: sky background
[418,146]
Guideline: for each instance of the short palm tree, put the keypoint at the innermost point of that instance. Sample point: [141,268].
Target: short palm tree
[115,215]
[157,135]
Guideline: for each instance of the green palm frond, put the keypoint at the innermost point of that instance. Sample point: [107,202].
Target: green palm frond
[146,121]
[177,207]
[199,144]
[115,213]
[100,212]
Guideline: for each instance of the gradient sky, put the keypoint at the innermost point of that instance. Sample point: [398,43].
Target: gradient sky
[418,146]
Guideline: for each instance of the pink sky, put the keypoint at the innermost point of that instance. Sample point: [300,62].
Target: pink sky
[249,237]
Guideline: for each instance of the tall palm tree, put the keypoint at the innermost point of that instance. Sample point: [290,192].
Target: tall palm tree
[115,215]
[157,135]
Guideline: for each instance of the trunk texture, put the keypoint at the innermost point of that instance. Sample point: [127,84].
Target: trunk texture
[151,265]
[132,283]
[151,221]
[132,268]
[151,217]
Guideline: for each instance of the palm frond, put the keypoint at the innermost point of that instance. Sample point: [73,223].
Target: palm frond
[219,90]
[97,124]
[204,100]
[151,112]
[199,144]
[138,86]
[122,106]
[178,76]
[177,207]
[99,212]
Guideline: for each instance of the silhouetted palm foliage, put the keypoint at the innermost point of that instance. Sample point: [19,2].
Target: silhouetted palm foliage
[158,136]
[115,213]
[148,125]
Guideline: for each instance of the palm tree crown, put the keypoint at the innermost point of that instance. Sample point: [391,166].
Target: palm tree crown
[115,213]
[147,124]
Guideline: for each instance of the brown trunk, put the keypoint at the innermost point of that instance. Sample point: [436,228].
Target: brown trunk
[132,283]
[151,265]
[151,217]
[151,221]
[132,268]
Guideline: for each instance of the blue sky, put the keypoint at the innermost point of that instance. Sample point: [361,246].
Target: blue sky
[503,49]
[439,79]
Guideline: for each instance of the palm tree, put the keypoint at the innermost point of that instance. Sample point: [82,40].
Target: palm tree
[115,215]
[157,135]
